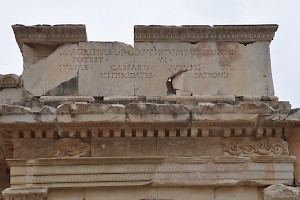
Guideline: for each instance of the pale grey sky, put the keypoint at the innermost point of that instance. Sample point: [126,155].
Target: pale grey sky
[113,20]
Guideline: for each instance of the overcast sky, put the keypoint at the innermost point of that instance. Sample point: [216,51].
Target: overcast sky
[113,20]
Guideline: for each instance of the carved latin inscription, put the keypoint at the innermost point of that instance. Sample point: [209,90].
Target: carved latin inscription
[83,58]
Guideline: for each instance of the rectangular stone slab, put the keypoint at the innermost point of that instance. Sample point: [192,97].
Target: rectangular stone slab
[197,67]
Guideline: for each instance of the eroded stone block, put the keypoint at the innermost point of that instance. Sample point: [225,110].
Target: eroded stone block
[281,192]
[155,68]
[33,148]
[9,96]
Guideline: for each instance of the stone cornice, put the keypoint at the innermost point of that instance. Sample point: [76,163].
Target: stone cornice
[280,123]
[238,33]
[47,34]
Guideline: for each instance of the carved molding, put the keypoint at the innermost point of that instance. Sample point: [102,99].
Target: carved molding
[239,33]
[230,98]
[48,34]
[9,81]
[50,99]
[266,146]
[71,147]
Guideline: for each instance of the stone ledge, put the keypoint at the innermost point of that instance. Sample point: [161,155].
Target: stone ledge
[32,193]
[50,35]
[63,99]
[193,33]
[156,171]
[142,129]
[9,81]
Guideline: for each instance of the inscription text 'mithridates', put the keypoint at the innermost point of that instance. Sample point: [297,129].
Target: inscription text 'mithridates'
[127,71]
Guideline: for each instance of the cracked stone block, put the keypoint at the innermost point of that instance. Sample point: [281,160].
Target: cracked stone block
[47,74]
[223,68]
[109,69]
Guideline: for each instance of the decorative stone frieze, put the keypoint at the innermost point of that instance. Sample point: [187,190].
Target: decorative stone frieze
[50,35]
[266,146]
[9,81]
[63,99]
[70,147]
[201,33]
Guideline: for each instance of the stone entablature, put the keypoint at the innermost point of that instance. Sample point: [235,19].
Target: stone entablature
[193,33]
[212,59]
[189,112]
[154,171]
[49,35]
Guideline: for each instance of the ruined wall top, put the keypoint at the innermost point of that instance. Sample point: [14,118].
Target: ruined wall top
[193,60]
[197,33]
[47,34]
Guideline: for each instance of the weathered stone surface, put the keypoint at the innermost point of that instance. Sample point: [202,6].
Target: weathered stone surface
[9,96]
[157,171]
[281,192]
[152,108]
[49,73]
[36,193]
[64,194]
[294,146]
[49,35]
[136,112]
[249,110]
[14,110]
[185,113]
[106,64]
[32,148]
[197,33]
[9,81]
[122,147]
[189,147]
[152,68]
[87,112]
[64,99]
[84,108]
[236,193]
[71,147]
